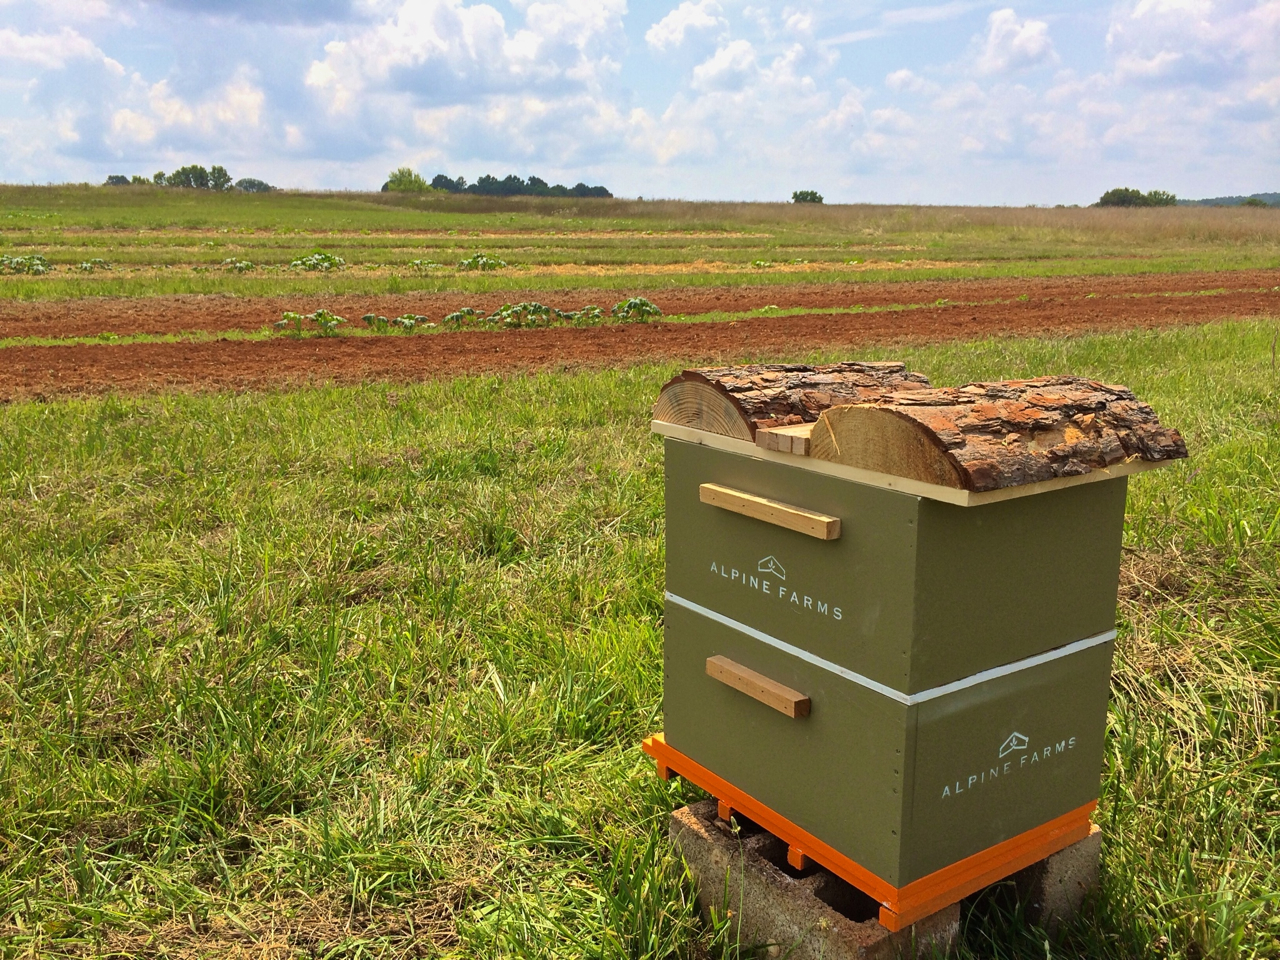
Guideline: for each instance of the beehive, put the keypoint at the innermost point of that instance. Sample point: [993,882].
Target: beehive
[889,627]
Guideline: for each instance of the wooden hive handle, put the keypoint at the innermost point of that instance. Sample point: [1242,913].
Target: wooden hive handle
[759,687]
[809,522]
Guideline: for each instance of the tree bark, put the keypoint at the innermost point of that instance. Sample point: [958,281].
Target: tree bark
[736,401]
[986,436]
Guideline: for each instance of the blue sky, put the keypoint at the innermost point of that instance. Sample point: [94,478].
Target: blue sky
[953,102]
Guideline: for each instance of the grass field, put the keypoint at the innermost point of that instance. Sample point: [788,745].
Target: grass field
[168,241]
[359,672]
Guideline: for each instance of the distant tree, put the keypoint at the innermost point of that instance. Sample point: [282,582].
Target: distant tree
[219,179]
[1254,202]
[252,185]
[1128,197]
[806,196]
[538,187]
[192,176]
[159,179]
[487,186]
[138,181]
[582,190]
[406,180]
[116,180]
[441,182]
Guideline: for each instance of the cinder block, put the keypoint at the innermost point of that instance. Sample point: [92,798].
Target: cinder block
[1053,890]
[803,914]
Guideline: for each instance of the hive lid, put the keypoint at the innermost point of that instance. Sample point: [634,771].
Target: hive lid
[970,444]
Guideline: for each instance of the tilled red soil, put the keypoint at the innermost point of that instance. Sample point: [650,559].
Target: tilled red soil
[27,372]
[166,315]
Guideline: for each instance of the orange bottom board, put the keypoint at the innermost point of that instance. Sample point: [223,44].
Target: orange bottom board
[899,906]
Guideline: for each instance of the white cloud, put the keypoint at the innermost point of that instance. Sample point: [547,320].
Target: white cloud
[907,81]
[50,51]
[690,17]
[230,114]
[444,50]
[729,68]
[1013,44]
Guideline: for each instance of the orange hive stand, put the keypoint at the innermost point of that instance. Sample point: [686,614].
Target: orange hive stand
[899,906]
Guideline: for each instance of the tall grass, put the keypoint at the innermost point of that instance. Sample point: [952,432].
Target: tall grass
[361,671]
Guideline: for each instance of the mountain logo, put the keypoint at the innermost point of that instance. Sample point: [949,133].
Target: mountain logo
[1016,741]
[770,565]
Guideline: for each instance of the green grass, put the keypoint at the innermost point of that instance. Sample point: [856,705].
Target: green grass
[168,241]
[357,672]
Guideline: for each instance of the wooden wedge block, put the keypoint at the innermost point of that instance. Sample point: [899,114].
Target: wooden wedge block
[793,439]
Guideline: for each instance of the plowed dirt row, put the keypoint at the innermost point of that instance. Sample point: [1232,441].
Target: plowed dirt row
[166,315]
[27,372]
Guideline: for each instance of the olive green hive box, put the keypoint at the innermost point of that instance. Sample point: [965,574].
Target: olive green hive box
[957,659]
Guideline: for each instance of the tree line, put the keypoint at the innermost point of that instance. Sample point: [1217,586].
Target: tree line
[407,180]
[193,177]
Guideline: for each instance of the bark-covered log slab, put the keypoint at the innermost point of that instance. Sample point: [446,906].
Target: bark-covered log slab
[988,436]
[735,401]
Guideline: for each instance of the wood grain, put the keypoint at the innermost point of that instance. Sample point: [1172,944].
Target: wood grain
[883,440]
[809,522]
[793,439]
[759,687]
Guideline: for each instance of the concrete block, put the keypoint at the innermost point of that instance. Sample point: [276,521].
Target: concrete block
[1053,890]
[803,914]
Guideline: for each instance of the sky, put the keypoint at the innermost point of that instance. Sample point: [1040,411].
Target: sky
[863,101]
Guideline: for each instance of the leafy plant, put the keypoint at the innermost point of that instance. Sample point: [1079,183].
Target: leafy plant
[588,316]
[806,196]
[424,264]
[290,319]
[97,263]
[761,264]
[464,317]
[527,314]
[239,266]
[33,265]
[407,322]
[481,261]
[327,322]
[318,261]
[635,310]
